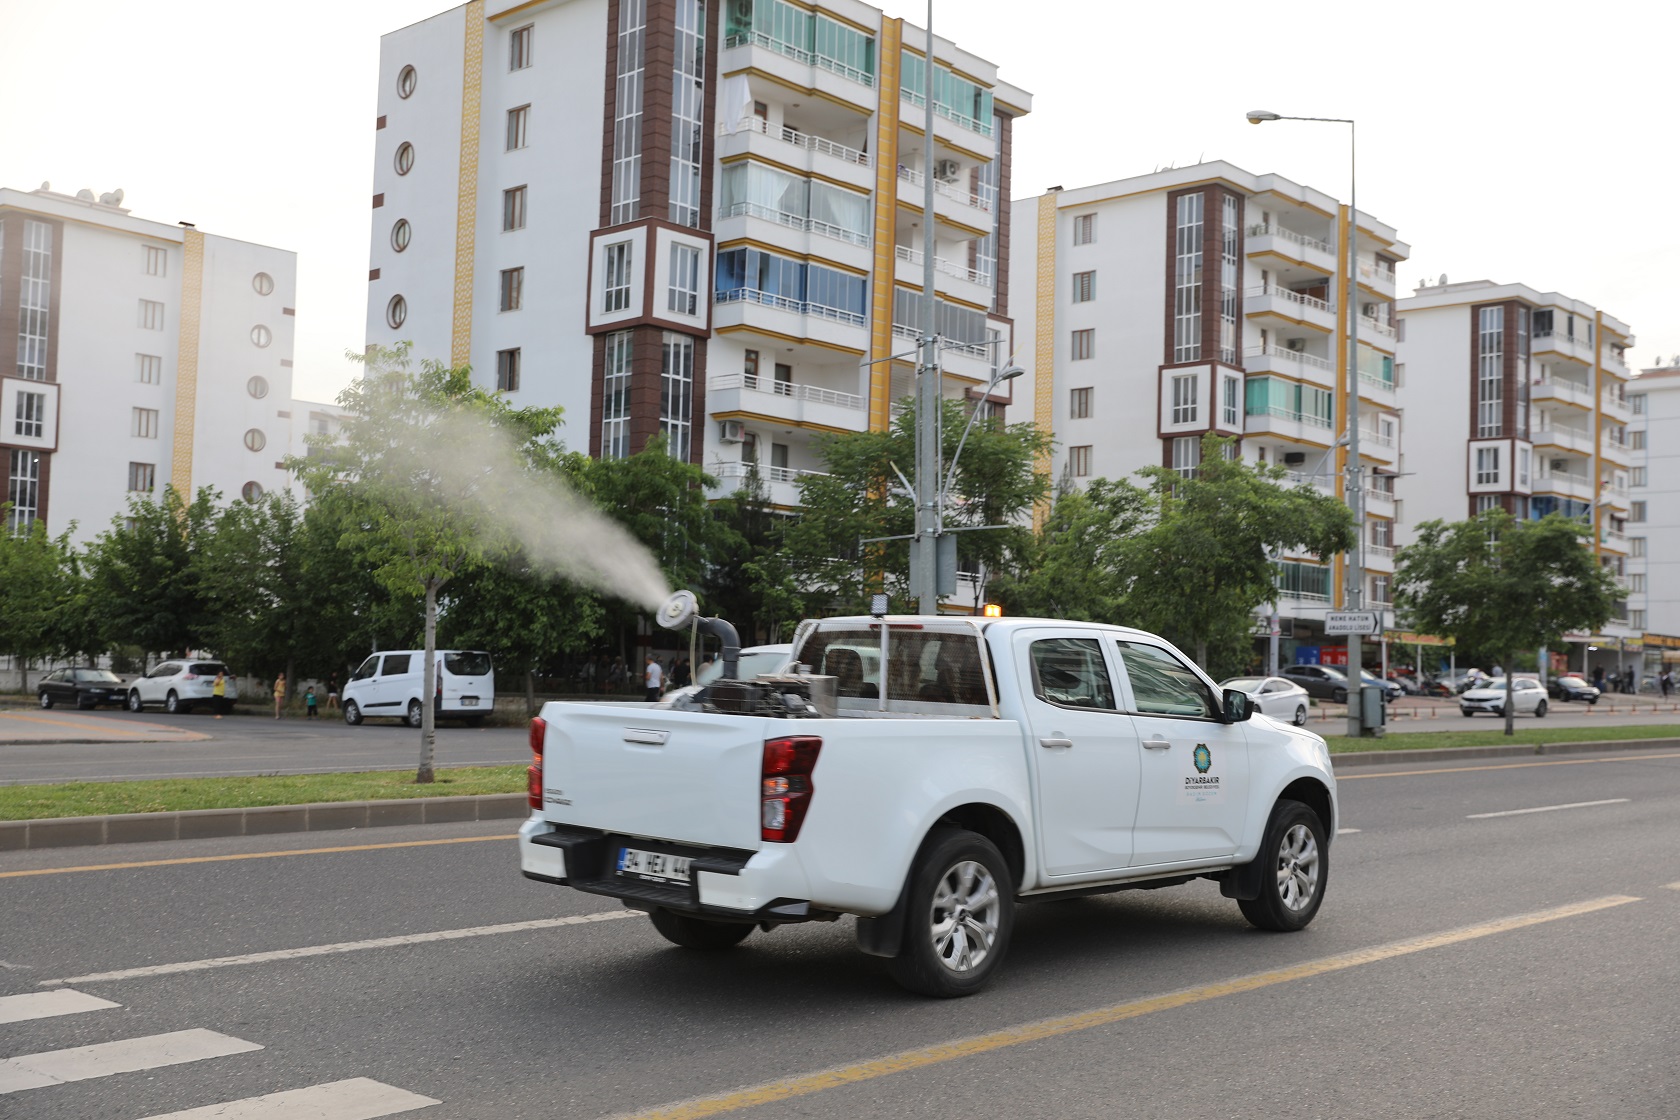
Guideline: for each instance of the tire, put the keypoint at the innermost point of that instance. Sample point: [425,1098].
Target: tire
[1467,712]
[959,900]
[1300,715]
[1338,696]
[86,705]
[172,704]
[416,714]
[1290,898]
[134,704]
[352,713]
[46,700]
[699,933]
[1540,710]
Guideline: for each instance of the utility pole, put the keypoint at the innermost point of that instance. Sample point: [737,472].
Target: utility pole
[924,564]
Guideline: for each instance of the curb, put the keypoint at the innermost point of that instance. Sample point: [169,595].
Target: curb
[266,820]
[1514,750]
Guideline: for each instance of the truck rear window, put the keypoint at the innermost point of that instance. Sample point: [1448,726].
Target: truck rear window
[467,664]
[925,666]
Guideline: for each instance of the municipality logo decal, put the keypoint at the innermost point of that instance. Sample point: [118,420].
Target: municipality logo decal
[1203,758]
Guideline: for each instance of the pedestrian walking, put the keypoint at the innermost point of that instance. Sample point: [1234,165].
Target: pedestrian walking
[616,674]
[332,692]
[219,690]
[1665,680]
[653,678]
[279,693]
[309,703]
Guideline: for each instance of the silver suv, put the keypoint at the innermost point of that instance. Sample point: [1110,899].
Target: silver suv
[178,685]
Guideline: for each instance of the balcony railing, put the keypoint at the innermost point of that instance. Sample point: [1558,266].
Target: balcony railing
[794,221]
[1366,435]
[799,54]
[980,201]
[1260,229]
[798,139]
[1291,295]
[769,474]
[915,97]
[1384,551]
[1311,361]
[1368,325]
[1376,274]
[975,349]
[1377,380]
[940,264]
[783,303]
[1306,418]
[788,389]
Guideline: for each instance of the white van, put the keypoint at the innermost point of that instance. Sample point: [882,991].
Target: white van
[391,684]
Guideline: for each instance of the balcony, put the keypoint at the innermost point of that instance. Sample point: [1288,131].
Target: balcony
[1552,389]
[975,286]
[1565,485]
[1288,424]
[970,360]
[1610,361]
[1377,278]
[1377,389]
[1379,502]
[781,482]
[1572,348]
[787,401]
[1290,363]
[794,234]
[1379,557]
[952,202]
[1293,306]
[1578,442]
[1322,481]
[797,68]
[1294,246]
[792,147]
[1377,333]
[778,315]
[1615,407]
[949,125]
[1617,453]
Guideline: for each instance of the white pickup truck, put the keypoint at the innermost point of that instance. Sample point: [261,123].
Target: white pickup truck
[926,775]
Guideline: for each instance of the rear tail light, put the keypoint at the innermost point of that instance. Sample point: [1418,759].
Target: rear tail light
[533,772]
[785,786]
[189,676]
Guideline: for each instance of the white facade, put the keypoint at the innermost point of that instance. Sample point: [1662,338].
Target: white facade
[1653,567]
[165,359]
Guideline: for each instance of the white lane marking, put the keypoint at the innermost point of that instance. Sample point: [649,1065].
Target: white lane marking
[1671,886]
[45,1005]
[1546,809]
[130,1055]
[1345,831]
[343,947]
[359,1098]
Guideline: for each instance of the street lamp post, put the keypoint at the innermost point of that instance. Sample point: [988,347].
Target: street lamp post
[924,565]
[1354,586]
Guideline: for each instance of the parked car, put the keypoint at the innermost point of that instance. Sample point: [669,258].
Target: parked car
[1274,696]
[1527,698]
[1391,689]
[178,685]
[86,688]
[1323,681]
[1571,686]
[390,684]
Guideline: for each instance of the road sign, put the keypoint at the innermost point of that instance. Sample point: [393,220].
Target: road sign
[1352,622]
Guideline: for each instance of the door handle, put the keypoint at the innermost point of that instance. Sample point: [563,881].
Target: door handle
[1056,744]
[1156,744]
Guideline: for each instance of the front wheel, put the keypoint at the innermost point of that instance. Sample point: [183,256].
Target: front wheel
[416,713]
[959,914]
[1290,895]
[1301,715]
[698,933]
[1339,696]
[46,699]
[1540,710]
[134,704]
[352,713]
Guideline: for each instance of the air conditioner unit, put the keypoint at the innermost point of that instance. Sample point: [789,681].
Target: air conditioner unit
[1294,458]
[731,431]
[946,170]
[1369,310]
[1560,465]
[1296,344]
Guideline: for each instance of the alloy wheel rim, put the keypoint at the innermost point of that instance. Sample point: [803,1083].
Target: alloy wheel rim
[1298,868]
[964,916]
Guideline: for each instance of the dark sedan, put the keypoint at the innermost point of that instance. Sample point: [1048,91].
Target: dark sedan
[1571,687]
[85,688]
[1322,681]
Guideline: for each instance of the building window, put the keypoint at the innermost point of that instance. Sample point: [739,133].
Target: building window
[1379,590]
[406,79]
[401,233]
[1228,272]
[142,477]
[31,415]
[35,301]
[396,312]
[617,274]
[615,397]
[1636,403]
[519,48]
[684,296]
[252,492]
[676,394]
[257,386]
[255,440]
[627,108]
[23,490]
[1186,454]
[151,315]
[156,260]
[1525,458]
[1637,619]
[1184,410]
[145,424]
[1636,477]
[1485,502]
[1487,466]
[513,208]
[513,289]
[1490,372]
[1084,344]
[1079,461]
[1081,404]
[517,122]
[261,336]
[1084,229]
[1084,287]
[507,370]
[1636,546]
[688,97]
[1636,440]
[1187,280]
[1636,512]
[1636,583]
[404,161]
[749,363]
[262,283]
[1230,414]
[148,369]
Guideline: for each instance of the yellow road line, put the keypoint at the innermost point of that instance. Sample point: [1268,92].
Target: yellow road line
[923,1057]
[1340,778]
[251,855]
[102,728]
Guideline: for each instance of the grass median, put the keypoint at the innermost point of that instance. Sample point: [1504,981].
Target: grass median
[1526,735]
[98,799]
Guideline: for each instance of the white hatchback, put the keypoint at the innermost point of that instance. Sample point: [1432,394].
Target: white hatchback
[1277,697]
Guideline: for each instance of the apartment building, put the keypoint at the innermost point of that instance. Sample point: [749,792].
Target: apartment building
[1653,565]
[702,221]
[1526,394]
[133,355]
[1210,299]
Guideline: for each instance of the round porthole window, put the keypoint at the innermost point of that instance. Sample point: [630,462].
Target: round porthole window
[396,312]
[257,386]
[405,158]
[406,77]
[252,491]
[255,440]
[400,233]
[261,335]
[262,283]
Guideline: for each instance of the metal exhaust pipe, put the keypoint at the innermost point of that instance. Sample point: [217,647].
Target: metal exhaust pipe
[678,613]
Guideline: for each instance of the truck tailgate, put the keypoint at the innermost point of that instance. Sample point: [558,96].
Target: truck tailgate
[687,777]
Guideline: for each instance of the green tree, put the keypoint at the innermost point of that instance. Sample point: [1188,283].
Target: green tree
[749,580]
[522,616]
[145,574]
[35,585]
[1495,583]
[1075,566]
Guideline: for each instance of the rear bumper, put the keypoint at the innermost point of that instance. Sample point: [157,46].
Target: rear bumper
[725,883]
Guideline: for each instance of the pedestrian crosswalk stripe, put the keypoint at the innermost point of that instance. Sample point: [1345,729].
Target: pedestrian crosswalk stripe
[129,1055]
[359,1098]
[45,1005]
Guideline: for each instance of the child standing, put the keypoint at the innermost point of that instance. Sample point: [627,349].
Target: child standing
[309,702]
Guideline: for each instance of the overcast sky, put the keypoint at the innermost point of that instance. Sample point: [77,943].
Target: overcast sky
[1516,144]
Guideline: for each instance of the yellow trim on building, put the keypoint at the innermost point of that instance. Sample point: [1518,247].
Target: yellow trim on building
[186,363]
[765,75]
[466,191]
[1044,340]
[747,328]
[781,422]
[889,59]
[750,157]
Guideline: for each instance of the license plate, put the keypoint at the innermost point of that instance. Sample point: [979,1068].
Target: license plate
[469,701]
[658,866]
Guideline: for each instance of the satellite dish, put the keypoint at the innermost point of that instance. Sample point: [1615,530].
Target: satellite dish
[46,186]
[1443,280]
[85,195]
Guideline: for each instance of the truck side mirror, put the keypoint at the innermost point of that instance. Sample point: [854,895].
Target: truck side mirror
[1238,706]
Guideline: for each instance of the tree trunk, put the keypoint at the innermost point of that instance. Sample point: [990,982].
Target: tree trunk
[1510,709]
[530,692]
[1201,654]
[428,689]
[23,673]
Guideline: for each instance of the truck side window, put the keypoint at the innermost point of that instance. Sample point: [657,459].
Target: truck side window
[396,663]
[1162,685]
[1070,672]
[370,668]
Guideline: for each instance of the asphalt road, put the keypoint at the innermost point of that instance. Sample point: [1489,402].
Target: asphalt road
[1464,965]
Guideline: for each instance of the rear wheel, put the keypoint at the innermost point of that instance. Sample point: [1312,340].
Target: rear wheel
[698,933]
[1292,884]
[172,704]
[352,713]
[1540,710]
[134,704]
[1301,715]
[416,713]
[46,699]
[959,914]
